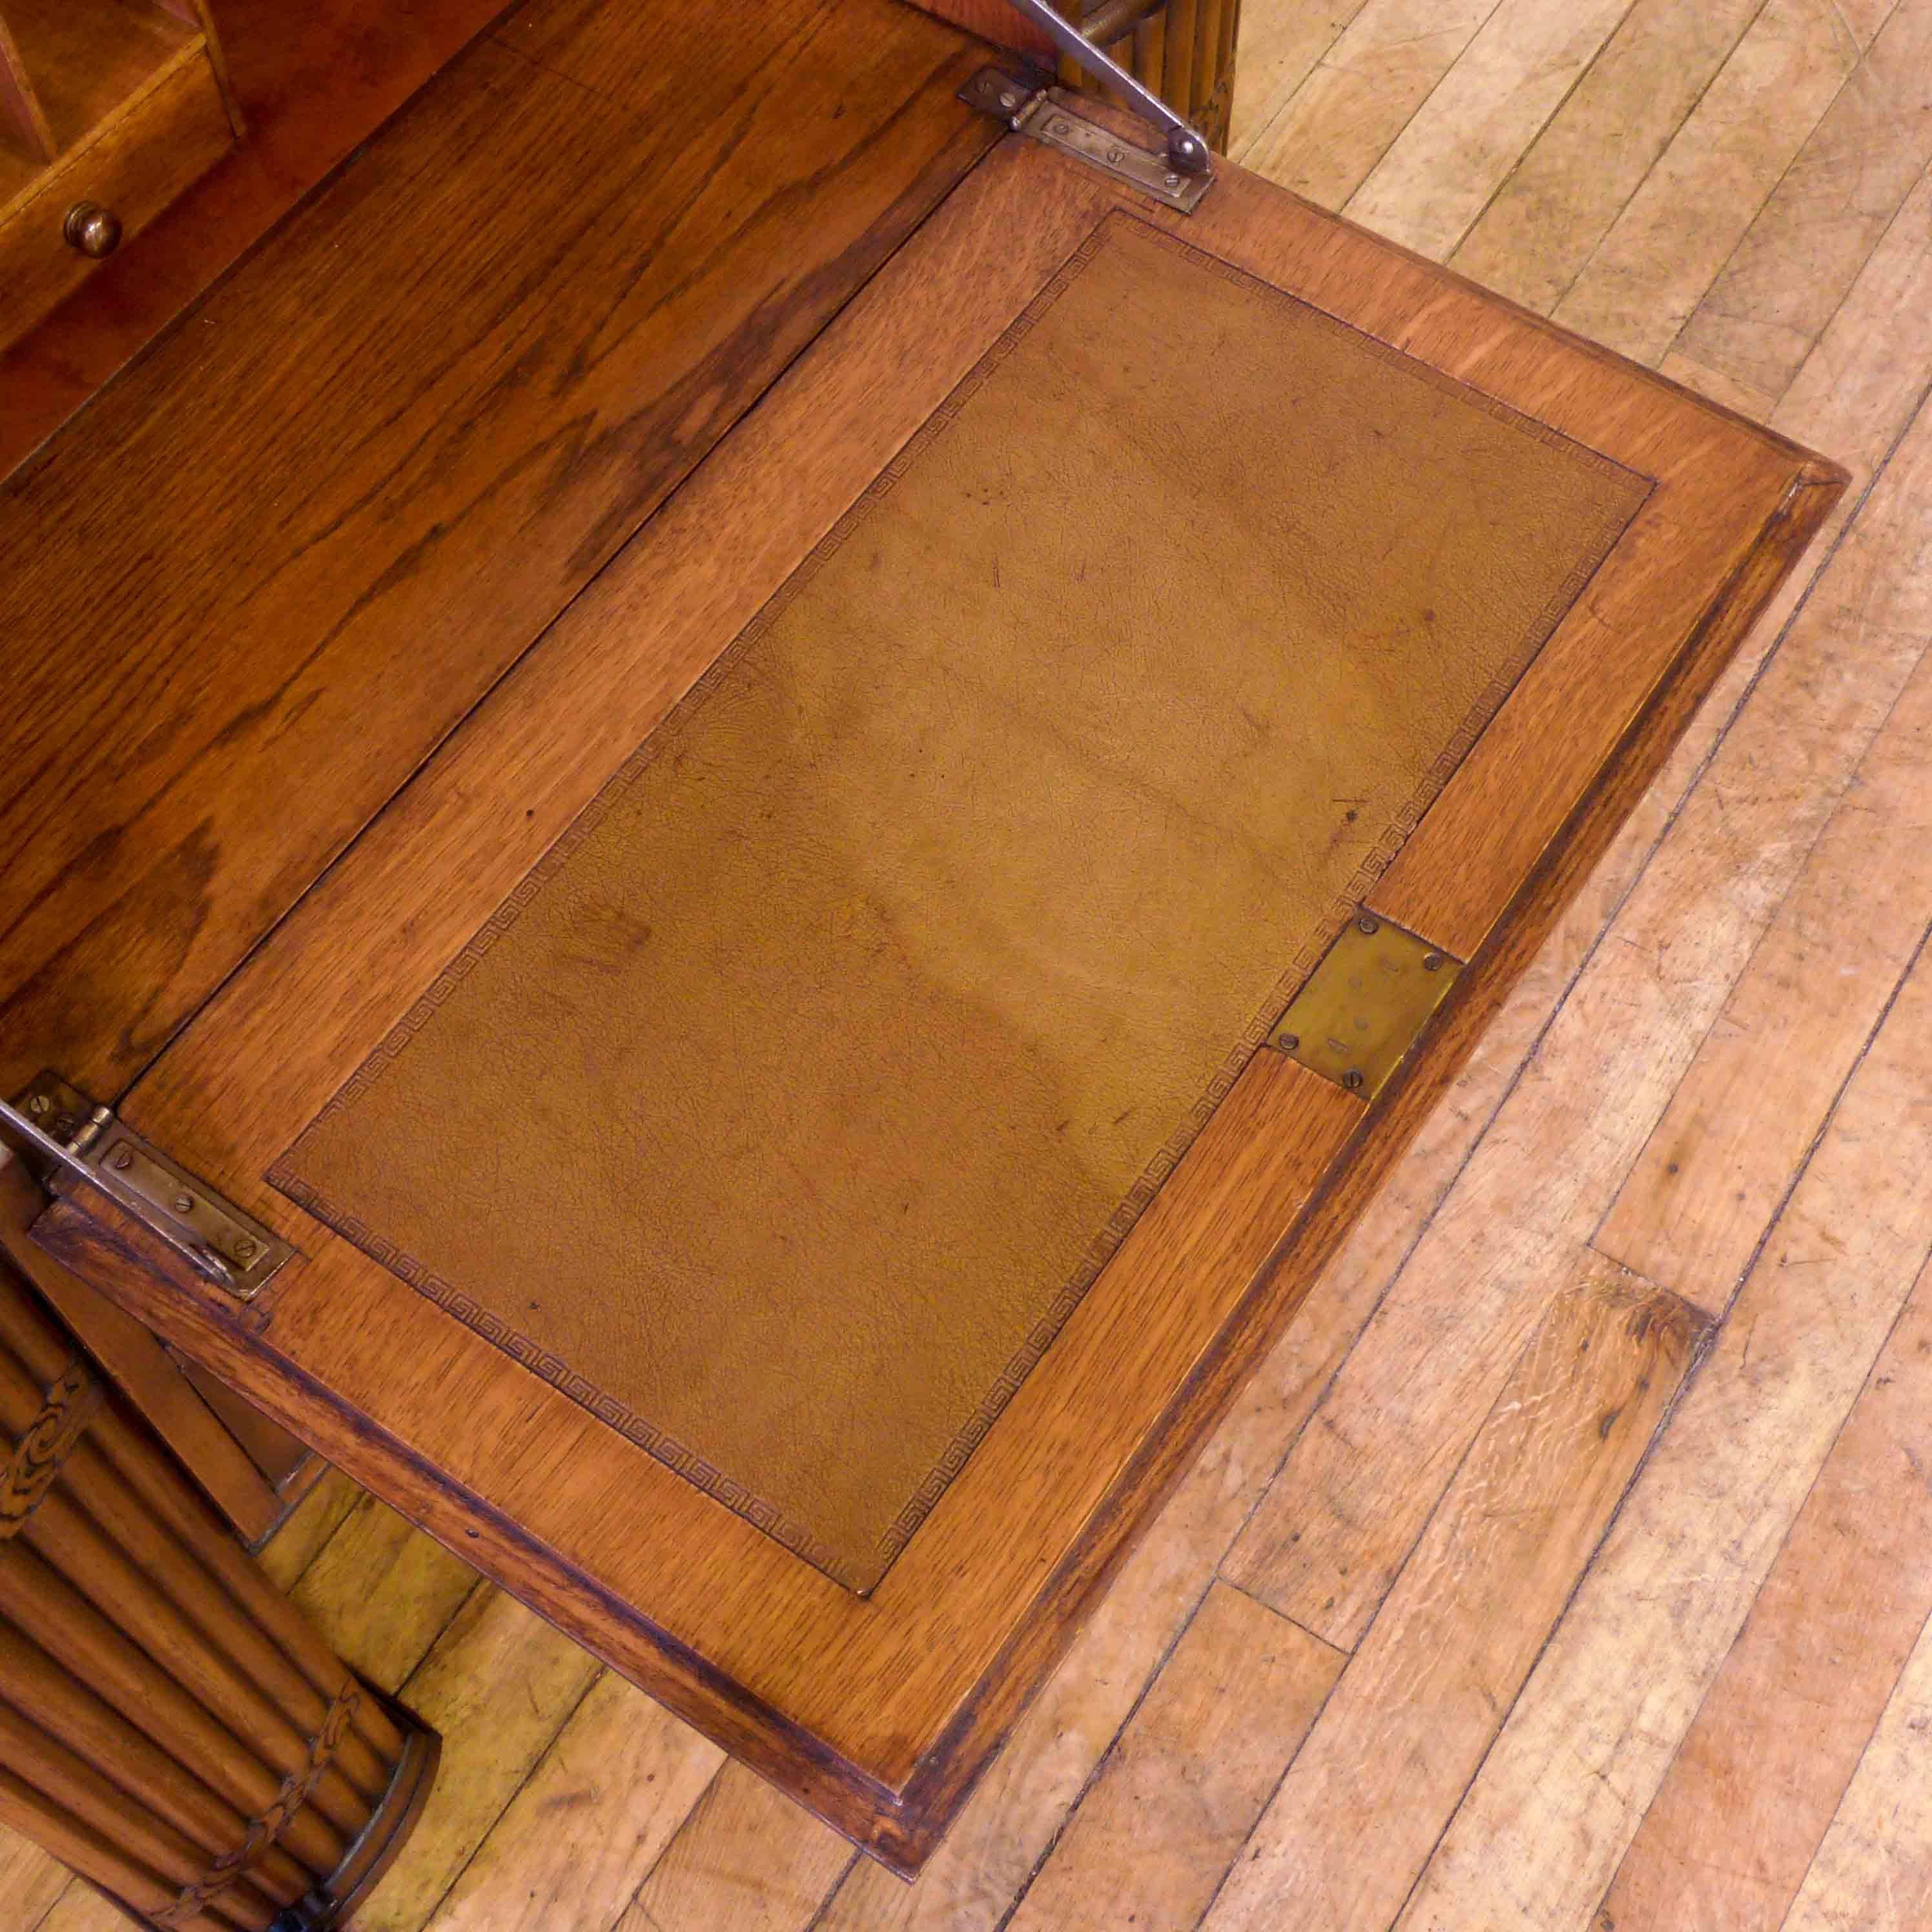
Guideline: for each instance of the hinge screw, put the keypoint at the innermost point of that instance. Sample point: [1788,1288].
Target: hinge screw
[1290,1042]
[121,1160]
[184,1204]
[1433,963]
[1351,1080]
[1365,925]
[1173,180]
[37,1105]
[245,1249]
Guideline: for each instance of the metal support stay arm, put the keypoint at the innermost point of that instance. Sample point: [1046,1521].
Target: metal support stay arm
[1187,153]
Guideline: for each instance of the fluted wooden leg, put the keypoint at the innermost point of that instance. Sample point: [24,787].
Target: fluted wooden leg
[170,1725]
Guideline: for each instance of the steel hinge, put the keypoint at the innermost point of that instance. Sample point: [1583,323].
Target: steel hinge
[58,1131]
[1048,114]
[1362,1009]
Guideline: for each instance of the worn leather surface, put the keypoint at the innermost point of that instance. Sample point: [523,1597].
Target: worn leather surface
[784,1114]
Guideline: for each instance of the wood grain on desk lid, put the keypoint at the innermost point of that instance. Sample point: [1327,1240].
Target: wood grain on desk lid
[784,1111]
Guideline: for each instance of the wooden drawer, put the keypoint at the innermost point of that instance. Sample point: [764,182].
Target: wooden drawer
[134,164]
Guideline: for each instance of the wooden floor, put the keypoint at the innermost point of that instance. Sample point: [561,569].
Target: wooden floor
[1568,1565]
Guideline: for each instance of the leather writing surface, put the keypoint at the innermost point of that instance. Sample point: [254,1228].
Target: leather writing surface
[785,1111]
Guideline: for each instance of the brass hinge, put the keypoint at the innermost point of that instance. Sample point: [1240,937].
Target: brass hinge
[1362,1009]
[64,1133]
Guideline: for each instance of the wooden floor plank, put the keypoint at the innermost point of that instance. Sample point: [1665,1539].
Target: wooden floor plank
[1533,1844]
[1865,381]
[1355,1819]
[1364,1475]
[1533,240]
[287,1554]
[1181,1790]
[1439,174]
[80,1909]
[746,1860]
[1662,253]
[499,1684]
[1804,250]
[1344,118]
[1280,46]
[582,1835]
[1873,1872]
[1710,1179]
[1863,384]
[31,1882]
[1727,1842]
[383,1593]
[1866,18]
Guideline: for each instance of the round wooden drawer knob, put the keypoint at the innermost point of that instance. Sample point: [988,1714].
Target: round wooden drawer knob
[93,229]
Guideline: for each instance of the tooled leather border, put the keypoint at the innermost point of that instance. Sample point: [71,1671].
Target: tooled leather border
[455,1301]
